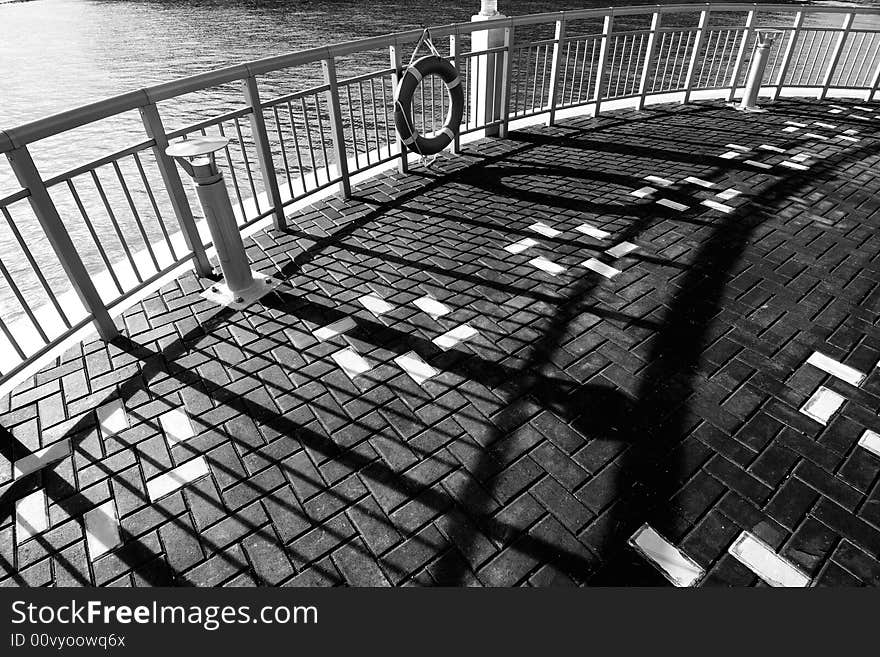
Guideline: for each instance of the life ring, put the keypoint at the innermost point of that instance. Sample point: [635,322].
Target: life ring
[403,119]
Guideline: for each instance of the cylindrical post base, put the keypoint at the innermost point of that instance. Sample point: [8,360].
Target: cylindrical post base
[756,72]
[224,231]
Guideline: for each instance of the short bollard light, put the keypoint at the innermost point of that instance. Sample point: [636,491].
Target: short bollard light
[240,286]
[765,40]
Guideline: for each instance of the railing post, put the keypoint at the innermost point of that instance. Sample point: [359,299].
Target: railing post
[789,51]
[506,68]
[835,56]
[603,60]
[455,54]
[702,30]
[171,178]
[396,66]
[53,226]
[649,55]
[740,56]
[558,49]
[329,67]
[485,85]
[264,151]
[875,84]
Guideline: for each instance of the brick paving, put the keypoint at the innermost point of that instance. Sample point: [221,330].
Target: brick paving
[662,384]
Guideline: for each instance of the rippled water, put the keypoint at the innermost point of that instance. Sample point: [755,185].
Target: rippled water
[58,54]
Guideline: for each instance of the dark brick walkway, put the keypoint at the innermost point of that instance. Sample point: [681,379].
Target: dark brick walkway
[583,407]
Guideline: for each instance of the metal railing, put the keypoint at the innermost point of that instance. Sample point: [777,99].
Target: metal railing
[75,248]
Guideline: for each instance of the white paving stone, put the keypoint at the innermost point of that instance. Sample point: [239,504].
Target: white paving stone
[592,231]
[418,369]
[523,245]
[813,135]
[870,440]
[728,194]
[547,265]
[791,129]
[720,207]
[674,564]
[601,268]
[545,230]
[336,328]
[848,138]
[801,157]
[672,204]
[31,516]
[657,180]
[759,165]
[644,192]
[451,338]
[730,155]
[376,305]
[112,418]
[836,368]
[796,124]
[835,111]
[41,458]
[772,149]
[760,558]
[168,482]
[822,405]
[177,426]
[863,109]
[793,165]
[827,126]
[102,529]
[431,306]
[737,147]
[351,362]
[621,249]
[699,181]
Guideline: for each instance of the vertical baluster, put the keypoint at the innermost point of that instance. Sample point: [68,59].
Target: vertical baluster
[649,56]
[577,52]
[329,68]
[53,226]
[613,68]
[174,188]
[264,150]
[603,59]
[740,56]
[233,175]
[835,56]
[299,162]
[322,136]
[506,65]
[454,53]
[155,206]
[847,78]
[4,272]
[375,120]
[385,121]
[280,134]
[112,216]
[364,127]
[875,80]
[305,111]
[396,64]
[11,339]
[558,44]
[135,215]
[786,57]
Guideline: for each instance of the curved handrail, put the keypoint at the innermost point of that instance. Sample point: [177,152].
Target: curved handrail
[288,148]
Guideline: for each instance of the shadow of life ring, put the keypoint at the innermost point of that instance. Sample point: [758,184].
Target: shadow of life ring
[403,113]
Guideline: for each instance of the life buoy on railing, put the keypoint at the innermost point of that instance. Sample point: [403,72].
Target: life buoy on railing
[403,113]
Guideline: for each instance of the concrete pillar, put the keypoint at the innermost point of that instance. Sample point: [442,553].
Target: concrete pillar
[485,73]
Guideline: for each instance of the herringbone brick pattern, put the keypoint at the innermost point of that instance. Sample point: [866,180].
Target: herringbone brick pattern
[581,407]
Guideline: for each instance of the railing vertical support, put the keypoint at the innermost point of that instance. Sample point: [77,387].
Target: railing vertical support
[702,30]
[835,56]
[485,80]
[454,52]
[741,55]
[329,67]
[53,226]
[264,151]
[174,187]
[603,60]
[875,84]
[649,56]
[506,75]
[396,68]
[558,49]
[789,51]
